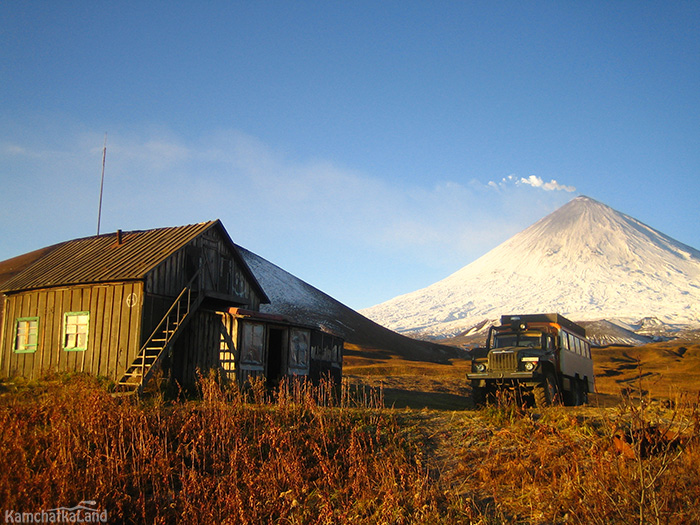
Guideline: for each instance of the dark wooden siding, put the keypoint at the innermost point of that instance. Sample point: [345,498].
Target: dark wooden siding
[326,356]
[221,272]
[113,334]
[169,277]
[198,349]
[154,308]
[317,354]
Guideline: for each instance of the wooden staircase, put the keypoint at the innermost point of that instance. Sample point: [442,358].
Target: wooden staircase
[161,340]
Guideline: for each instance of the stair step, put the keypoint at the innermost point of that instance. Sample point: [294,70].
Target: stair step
[140,360]
[140,369]
[136,370]
[147,361]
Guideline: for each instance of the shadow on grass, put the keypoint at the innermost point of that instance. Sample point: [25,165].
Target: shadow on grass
[401,398]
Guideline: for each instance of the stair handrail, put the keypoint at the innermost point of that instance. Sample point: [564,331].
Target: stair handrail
[176,303]
[166,320]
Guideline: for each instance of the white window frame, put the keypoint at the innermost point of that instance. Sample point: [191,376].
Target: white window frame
[76,329]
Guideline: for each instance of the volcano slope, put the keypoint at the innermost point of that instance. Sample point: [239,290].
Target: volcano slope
[585,261]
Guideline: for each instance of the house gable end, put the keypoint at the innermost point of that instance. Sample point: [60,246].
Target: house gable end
[240,262]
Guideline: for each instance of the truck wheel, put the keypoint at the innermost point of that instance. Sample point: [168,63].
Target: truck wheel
[576,395]
[478,396]
[584,392]
[547,392]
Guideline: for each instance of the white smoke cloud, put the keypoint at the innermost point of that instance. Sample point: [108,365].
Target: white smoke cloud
[552,185]
[532,180]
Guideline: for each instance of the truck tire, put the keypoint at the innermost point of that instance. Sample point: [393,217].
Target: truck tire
[478,396]
[584,391]
[547,392]
[575,397]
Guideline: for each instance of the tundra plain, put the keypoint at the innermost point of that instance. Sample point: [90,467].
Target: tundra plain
[400,443]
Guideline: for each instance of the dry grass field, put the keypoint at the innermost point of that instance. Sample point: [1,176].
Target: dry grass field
[401,444]
[662,372]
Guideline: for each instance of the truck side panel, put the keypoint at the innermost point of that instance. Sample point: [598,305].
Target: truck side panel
[574,358]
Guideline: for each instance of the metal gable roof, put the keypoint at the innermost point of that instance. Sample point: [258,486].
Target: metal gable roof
[11,267]
[102,258]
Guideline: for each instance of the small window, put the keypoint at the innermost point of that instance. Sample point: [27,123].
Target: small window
[550,342]
[253,343]
[577,345]
[299,351]
[26,335]
[75,330]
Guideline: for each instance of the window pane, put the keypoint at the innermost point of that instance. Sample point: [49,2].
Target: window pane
[26,334]
[299,355]
[75,330]
[253,340]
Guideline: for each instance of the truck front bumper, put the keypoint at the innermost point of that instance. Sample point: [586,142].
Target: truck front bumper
[498,376]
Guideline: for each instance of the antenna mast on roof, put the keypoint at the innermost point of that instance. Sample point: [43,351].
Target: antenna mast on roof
[102,183]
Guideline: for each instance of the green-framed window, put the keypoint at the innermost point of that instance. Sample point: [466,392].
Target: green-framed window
[26,335]
[76,326]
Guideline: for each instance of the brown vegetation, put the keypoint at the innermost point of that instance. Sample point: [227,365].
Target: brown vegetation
[307,455]
[222,459]
[658,370]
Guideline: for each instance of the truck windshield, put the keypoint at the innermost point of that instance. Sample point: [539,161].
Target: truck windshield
[528,340]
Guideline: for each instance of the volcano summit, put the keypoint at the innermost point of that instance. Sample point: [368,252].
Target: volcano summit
[585,261]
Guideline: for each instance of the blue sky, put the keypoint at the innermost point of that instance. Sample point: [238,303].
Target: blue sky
[370,148]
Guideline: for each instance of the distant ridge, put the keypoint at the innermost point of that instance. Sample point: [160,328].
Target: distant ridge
[584,260]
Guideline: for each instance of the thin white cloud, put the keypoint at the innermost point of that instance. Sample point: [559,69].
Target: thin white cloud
[12,149]
[156,178]
[309,213]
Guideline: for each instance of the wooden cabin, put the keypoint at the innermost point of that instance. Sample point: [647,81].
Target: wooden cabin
[126,304]
[270,346]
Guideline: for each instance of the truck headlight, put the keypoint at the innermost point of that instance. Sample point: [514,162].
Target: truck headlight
[480,367]
[530,366]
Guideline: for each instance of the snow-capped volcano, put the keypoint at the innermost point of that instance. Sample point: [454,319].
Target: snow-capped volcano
[585,261]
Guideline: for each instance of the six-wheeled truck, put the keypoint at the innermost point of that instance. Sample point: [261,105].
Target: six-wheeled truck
[545,355]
